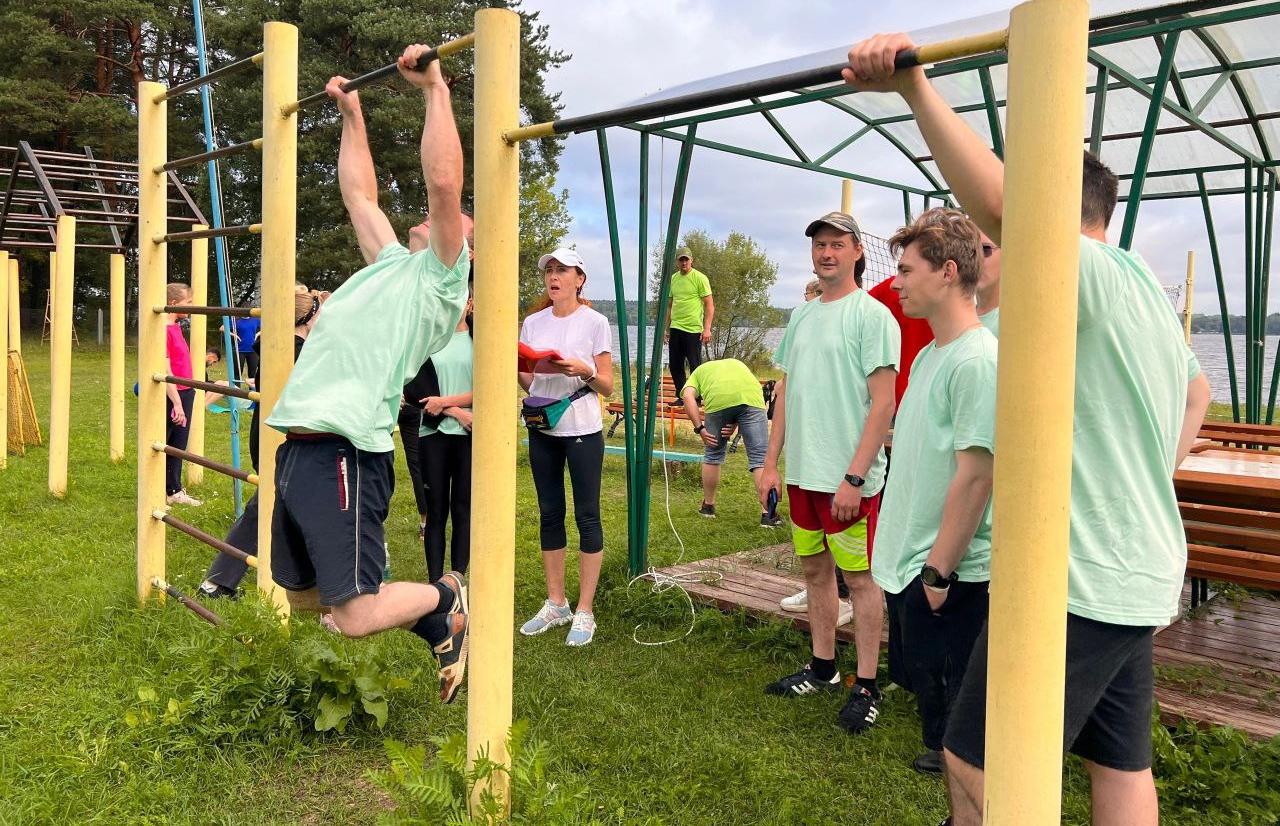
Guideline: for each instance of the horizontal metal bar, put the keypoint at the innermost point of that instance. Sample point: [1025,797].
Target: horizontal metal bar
[195,607]
[355,83]
[48,245]
[57,173]
[218,232]
[922,55]
[208,387]
[208,539]
[206,79]
[204,461]
[42,154]
[203,157]
[192,309]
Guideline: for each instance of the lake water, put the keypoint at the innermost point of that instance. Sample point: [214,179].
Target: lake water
[1208,348]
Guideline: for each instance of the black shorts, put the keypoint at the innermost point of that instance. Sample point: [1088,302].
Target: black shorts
[1107,709]
[326,528]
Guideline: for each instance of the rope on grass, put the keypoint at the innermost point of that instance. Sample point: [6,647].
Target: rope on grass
[663,582]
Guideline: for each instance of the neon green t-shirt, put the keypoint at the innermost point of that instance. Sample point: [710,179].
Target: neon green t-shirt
[725,383]
[991,320]
[828,351]
[453,369]
[373,334]
[1128,549]
[687,292]
[950,405]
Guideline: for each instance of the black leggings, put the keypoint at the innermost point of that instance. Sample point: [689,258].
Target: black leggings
[446,476]
[410,422]
[585,457]
[227,570]
[683,347]
[176,435]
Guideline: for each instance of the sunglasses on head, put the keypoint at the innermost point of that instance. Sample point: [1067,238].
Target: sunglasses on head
[987,249]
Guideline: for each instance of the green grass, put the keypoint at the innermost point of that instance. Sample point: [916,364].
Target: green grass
[674,734]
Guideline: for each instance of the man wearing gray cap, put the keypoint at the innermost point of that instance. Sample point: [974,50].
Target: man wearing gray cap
[834,404]
[690,310]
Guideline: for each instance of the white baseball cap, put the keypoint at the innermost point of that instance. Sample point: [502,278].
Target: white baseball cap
[568,257]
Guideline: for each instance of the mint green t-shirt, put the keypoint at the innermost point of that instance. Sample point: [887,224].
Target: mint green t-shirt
[372,336]
[1128,549]
[687,292]
[828,351]
[950,405]
[725,383]
[991,320]
[453,369]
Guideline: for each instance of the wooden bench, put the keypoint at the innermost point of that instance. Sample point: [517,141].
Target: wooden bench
[1241,435]
[1237,545]
[671,408]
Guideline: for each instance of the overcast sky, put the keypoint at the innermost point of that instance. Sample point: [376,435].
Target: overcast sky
[625,49]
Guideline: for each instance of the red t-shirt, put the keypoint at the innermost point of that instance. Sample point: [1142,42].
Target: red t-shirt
[175,346]
[915,333]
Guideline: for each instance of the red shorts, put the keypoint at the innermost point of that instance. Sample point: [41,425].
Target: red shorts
[811,513]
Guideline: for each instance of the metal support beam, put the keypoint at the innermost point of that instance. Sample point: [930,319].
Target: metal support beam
[993,112]
[842,145]
[1099,111]
[1148,139]
[791,142]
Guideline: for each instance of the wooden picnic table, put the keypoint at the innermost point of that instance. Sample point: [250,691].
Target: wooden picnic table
[1234,478]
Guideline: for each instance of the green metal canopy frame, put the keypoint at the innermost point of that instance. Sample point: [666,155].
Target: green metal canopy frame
[1216,58]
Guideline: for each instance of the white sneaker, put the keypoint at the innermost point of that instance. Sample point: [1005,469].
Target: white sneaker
[796,603]
[846,613]
[549,616]
[582,631]
[182,498]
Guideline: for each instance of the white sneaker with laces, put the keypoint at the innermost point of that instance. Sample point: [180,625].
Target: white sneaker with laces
[182,498]
[796,603]
[549,615]
[583,630]
[846,613]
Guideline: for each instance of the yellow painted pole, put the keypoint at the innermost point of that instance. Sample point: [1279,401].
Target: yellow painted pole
[846,197]
[4,361]
[152,266]
[1040,238]
[60,353]
[1188,295]
[117,357]
[279,247]
[497,200]
[46,329]
[200,293]
[15,311]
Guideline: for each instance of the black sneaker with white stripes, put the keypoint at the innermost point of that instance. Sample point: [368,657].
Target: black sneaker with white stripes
[801,683]
[860,710]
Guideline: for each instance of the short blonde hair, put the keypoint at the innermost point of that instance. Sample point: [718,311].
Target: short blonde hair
[175,292]
[943,235]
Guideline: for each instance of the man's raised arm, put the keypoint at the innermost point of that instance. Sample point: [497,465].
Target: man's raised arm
[441,156]
[356,178]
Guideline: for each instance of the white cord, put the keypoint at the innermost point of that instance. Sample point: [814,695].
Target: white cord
[663,582]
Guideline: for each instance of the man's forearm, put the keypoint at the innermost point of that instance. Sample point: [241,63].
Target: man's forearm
[874,432]
[778,427]
[1198,395]
[966,501]
[441,151]
[356,178]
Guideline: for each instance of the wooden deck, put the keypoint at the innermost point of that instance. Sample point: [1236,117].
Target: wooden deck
[1220,667]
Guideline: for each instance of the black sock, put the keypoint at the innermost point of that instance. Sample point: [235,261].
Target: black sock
[434,628]
[447,598]
[869,683]
[823,669]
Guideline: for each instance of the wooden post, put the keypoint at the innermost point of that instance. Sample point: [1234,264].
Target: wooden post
[60,355]
[117,358]
[200,293]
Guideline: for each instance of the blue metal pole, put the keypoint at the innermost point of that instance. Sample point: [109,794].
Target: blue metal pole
[219,248]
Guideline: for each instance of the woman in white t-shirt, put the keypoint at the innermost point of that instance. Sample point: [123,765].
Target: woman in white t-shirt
[563,321]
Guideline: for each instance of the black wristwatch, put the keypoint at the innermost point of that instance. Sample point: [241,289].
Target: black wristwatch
[855,480]
[933,578]
[698,430]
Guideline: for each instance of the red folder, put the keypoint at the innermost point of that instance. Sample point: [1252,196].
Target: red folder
[531,360]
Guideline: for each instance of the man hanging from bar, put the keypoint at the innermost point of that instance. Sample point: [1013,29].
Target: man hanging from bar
[335,471]
[1140,395]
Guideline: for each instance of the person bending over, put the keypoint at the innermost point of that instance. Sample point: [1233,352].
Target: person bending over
[335,471]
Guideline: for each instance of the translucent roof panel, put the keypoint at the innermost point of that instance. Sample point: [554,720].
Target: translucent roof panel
[1239,39]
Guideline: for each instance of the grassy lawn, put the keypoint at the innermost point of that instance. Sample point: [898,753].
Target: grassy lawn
[673,734]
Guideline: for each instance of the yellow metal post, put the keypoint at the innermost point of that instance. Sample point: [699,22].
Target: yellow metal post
[60,354]
[152,220]
[117,357]
[4,361]
[1188,295]
[279,246]
[15,311]
[846,197]
[200,293]
[497,199]
[1040,238]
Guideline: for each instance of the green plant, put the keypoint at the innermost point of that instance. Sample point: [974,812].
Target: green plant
[1219,774]
[437,792]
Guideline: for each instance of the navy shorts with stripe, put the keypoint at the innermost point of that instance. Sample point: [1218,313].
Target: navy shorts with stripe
[326,529]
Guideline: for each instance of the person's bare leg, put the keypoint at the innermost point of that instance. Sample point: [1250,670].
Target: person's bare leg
[588,576]
[824,604]
[553,567]
[965,789]
[398,604]
[1122,798]
[710,481]
[868,606]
